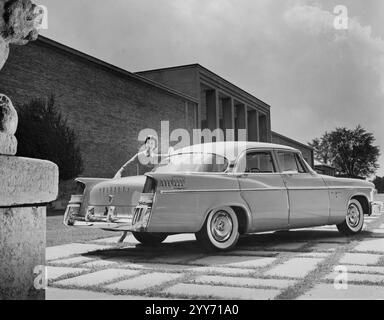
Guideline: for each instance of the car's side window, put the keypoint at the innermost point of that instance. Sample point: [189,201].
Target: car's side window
[257,162]
[290,162]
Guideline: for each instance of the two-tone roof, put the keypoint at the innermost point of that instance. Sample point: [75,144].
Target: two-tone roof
[230,149]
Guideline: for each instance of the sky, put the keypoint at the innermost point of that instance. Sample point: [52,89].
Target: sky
[285,52]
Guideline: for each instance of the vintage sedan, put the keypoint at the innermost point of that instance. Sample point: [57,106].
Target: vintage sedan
[220,191]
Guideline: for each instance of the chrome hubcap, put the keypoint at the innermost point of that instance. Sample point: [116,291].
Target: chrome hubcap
[221,226]
[353,216]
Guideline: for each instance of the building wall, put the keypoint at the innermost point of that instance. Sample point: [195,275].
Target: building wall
[219,100]
[183,79]
[307,151]
[107,109]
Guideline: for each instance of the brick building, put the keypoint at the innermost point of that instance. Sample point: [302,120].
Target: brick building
[108,106]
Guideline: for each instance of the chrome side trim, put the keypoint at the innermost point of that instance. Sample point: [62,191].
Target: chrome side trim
[261,189]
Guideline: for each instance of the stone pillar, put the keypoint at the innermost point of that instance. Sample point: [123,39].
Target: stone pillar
[26,185]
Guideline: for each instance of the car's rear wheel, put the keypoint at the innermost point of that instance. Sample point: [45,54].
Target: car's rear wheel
[354,220]
[220,231]
[150,239]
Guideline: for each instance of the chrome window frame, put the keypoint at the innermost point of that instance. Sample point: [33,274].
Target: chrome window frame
[245,152]
[298,154]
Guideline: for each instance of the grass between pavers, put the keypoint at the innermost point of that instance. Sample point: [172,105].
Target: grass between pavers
[362,283]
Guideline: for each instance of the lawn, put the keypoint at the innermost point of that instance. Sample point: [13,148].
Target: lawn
[58,234]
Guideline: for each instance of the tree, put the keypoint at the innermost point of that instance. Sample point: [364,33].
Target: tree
[351,152]
[379,184]
[43,133]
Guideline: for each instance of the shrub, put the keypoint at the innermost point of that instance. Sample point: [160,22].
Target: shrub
[44,133]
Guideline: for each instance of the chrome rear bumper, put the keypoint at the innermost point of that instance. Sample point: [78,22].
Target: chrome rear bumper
[111,222]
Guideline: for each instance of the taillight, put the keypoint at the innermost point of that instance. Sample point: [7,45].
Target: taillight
[150,185]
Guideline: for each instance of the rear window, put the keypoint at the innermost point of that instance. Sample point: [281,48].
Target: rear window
[192,162]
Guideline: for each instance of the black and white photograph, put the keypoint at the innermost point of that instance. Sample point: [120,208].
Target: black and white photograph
[191,154]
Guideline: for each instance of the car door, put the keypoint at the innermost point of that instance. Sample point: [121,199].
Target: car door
[263,188]
[307,192]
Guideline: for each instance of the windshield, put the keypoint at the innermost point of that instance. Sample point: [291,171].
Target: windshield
[192,162]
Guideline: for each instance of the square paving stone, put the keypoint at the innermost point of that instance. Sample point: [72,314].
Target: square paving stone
[221,292]
[144,281]
[360,258]
[359,277]
[294,268]
[97,278]
[354,292]
[69,294]
[54,273]
[376,245]
[53,253]
[236,261]
[245,282]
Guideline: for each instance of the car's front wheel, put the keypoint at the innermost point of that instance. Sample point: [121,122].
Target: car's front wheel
[150,239]
[220,230]
[354,220]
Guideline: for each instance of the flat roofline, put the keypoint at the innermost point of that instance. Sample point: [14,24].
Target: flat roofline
[114,68]
[199,66]
[291,140]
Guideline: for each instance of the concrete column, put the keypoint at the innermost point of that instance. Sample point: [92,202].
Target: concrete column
[264,130]
[212,100]
[228,114]
[252,125]
[242,118]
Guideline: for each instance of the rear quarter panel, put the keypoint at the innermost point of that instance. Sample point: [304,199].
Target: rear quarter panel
[341,190]
[185,210]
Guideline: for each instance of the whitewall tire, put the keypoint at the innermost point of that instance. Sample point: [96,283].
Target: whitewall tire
[354,219]
[220,231]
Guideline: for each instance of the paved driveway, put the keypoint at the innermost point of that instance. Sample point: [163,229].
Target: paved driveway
[316,263]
